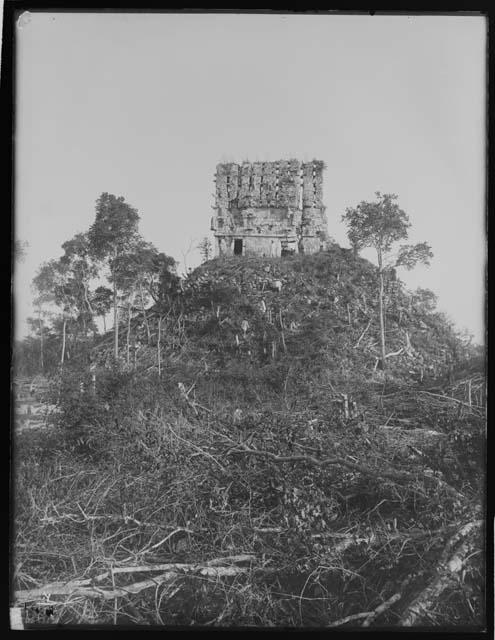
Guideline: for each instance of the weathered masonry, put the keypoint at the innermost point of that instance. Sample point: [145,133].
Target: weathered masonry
[269,208]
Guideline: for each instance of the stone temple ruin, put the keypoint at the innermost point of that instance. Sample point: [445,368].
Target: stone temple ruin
[269,208]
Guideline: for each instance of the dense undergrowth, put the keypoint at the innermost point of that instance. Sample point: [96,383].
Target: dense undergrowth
[272,475]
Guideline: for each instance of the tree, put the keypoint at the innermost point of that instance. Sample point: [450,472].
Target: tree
[164,286]
[381,225]
[145,275]
[101,302]
[424,300]
[36,342]
[77,259]
[42,287]
[54,284]
[138,269]
[205,249]
[110,238]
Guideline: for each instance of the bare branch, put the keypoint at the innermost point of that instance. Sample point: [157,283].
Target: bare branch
[362,335]
[399,476]
[382,608]
[395,353]
[355,616]
[450,398]
[201,451]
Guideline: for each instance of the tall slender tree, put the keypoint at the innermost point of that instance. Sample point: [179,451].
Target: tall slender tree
[77,258]
[137,270]
[53,284]
[381,224]
[111,237]
[39,330]
[164,288]
[42,287]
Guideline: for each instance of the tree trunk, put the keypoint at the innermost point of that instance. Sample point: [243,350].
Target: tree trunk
[42,364]
[345,405]
[85,334]
[158,347]
[90,308]
[381,311]
[145,318]
[115,322]
[128,331]
[62,357]
[454,557]
[282,335]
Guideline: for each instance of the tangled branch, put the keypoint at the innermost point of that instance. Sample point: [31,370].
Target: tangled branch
[392,474]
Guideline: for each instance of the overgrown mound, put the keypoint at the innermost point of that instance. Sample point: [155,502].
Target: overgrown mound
[249,464]
[313,306]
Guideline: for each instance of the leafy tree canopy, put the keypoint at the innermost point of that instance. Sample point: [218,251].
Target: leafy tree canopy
[166,285]
[102,300]
[380,224]
[115,225]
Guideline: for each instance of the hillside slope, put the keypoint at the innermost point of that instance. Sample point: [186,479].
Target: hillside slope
[298,324]
[291,303]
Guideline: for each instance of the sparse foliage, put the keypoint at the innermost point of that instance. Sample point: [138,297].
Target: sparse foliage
[381,224]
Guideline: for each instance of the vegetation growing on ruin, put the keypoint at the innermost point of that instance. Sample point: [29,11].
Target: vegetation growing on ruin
[245,461]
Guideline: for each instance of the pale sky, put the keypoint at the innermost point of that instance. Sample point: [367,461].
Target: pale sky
[146,105]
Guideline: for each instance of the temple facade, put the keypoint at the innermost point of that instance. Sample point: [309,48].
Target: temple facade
[269,208]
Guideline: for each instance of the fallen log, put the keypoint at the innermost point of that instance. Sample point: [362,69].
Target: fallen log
[347,541]
[445,576]
[92,592]
[352,618]
[381,609]
[216,568]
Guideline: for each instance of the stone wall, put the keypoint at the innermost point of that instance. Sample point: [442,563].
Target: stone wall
[269,205]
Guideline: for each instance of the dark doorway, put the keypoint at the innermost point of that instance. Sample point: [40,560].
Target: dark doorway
[238,247]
